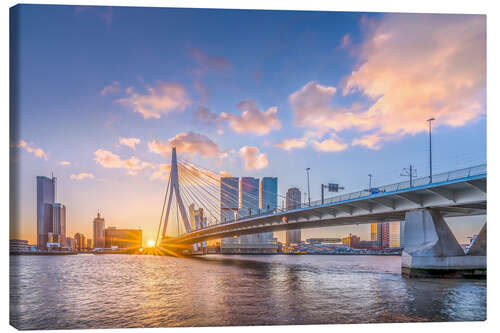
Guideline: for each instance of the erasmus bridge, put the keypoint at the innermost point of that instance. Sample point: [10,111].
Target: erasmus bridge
[423,203]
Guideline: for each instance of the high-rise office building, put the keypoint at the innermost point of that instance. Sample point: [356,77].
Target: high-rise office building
[99,237]
[402,234]
[229,204]
[89,244]
[59,223]
[80,242]
[51,216]
[383,234]
[229,198]
[394,234]
[373,232]
[249,196]
[293,199]
[268,194]
[45,197]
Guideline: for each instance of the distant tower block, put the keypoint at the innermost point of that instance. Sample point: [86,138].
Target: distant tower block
[175,188]
[99,236]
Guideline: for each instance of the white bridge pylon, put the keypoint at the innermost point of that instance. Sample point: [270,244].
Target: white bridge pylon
[174,187]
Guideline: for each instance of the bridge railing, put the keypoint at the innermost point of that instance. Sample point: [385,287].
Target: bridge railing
[422,181]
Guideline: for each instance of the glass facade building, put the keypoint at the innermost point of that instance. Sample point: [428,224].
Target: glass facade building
[99,237]
[45,197]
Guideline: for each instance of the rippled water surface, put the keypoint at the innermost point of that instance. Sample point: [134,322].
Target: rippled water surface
[103,291]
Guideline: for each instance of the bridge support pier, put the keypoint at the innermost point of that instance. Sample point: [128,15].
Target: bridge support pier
[431,249]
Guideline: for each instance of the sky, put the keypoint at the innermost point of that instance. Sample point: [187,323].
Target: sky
[104,93]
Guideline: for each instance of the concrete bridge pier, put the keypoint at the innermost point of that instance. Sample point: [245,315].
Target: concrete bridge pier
[431,249]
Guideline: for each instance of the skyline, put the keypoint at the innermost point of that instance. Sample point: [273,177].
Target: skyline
[324,87]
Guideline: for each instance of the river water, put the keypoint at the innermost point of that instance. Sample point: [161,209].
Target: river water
[104,291]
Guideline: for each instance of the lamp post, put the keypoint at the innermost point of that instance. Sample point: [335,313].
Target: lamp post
[370,182]
[308,187]
[430,120]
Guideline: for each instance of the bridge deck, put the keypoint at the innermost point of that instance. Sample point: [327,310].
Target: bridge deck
[457,193]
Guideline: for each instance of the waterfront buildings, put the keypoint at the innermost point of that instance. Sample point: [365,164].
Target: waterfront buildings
[122,238]
[373,232]
[394,234]
[99,237]
[251,196]
[89,244]
[70,243]
[18,245]
[80,242]
[51,216]
[293,199]
[385,234]
[229,198]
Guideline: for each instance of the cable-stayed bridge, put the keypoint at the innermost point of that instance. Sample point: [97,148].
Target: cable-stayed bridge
[455,193]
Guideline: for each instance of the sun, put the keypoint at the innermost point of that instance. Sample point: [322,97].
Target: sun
[151,243]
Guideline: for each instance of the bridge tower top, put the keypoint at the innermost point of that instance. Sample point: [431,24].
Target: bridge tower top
[174,188]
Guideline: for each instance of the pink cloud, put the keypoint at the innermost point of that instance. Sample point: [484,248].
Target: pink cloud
[292,143]
[160,100]
[332,144]
[64,163]
[252,120]
[419,66]
[412,67]
[109,160]
[371,141]
[112,88]
[252,158]
[129,142]
[210,62]
[189,143]
[81,176]
[38,152]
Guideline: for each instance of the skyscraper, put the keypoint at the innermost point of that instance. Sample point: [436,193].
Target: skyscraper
[268,194]
[383,234]
[268,203]
[229,198]
[229,204]
[59,223]
[373,232]
[293,199]
[45,197]
[402,234]
[99,226]
[394,234]
[249,196]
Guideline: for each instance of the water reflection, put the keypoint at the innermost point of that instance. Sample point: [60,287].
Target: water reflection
[89,291]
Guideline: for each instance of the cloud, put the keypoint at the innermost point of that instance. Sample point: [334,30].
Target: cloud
[371,141]
[209,62]
[81,176]
[159,100]
[333,144]
[188,143]
[109,160]
[38,152]
[105,13]
[64,163]
[252,159]
[346,41]
[112,88]
[292,143]
[162,171]
[411,68]
[252,120]
[129,142]
[415,67]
